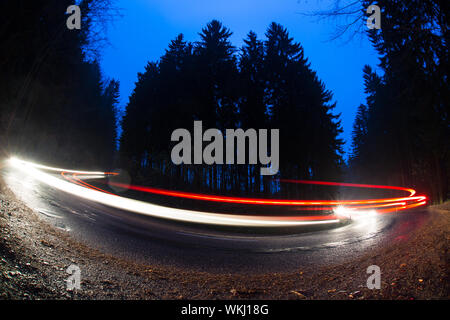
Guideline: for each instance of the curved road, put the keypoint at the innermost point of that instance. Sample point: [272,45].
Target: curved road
[202,247]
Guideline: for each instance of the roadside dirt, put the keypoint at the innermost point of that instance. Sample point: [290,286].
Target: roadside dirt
[34,258]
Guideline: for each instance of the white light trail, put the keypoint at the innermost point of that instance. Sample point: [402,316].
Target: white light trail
[153,210]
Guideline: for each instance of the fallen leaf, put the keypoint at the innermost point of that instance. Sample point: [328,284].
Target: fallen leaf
[298,294]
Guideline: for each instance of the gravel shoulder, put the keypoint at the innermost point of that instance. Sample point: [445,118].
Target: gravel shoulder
[34,257]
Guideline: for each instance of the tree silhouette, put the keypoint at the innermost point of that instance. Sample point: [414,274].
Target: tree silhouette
[299,106]
[269,84]
[408,134]
[55,105]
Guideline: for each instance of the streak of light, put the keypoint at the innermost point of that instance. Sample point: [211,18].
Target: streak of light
[257,201]
[159,211]
[357,185]
[35,165]
[342,209]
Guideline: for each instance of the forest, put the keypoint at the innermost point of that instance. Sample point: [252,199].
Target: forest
[266,84]
[57,107]
[401,135]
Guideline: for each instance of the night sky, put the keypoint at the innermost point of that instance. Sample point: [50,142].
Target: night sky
[147,26]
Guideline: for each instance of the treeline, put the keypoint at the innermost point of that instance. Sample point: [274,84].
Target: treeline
[55,105]
[401,136]
[265,84]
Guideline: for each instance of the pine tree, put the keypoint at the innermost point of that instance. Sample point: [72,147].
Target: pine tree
[51,93]
[299,105]
[270,86]
[408,133]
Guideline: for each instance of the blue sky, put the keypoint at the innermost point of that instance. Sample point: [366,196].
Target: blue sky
[147,26]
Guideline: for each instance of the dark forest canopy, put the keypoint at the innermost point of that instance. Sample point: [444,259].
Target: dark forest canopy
[265,84]
[55,105]
[401,136]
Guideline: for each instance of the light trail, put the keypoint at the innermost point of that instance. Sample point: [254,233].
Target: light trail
[342,209]
[278,202]
[356,185]
[158,211]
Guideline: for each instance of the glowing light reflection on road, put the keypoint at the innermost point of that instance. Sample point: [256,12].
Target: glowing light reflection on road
[342,209]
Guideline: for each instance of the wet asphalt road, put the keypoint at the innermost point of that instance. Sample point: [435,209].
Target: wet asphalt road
[152,241]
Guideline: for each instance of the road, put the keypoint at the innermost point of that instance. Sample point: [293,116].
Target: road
[204,247]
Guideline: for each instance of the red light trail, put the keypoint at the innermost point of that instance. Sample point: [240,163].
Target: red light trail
[387,204]
[73,182]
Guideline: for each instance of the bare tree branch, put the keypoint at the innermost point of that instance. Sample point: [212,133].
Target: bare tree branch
[349,17]
[100,15]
